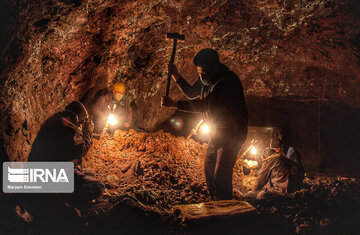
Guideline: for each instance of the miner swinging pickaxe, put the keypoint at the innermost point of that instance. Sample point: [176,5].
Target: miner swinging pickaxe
[176,37]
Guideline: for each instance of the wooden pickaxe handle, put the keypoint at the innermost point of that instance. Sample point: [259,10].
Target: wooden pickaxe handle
[176,37]
[171,62]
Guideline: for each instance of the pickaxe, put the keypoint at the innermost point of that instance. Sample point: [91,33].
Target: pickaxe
[175,36]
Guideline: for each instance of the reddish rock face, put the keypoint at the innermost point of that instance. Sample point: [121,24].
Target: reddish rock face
[55,50]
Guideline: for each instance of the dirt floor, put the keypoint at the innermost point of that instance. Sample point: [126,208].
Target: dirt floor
[146,174]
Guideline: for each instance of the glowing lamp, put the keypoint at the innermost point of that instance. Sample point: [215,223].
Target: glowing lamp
[112,120]
[253,151]
[205,128]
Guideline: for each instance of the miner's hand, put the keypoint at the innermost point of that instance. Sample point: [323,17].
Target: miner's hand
[168,102]
[172,69]
[88,126]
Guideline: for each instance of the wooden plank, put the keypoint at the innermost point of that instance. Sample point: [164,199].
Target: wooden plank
[214,209]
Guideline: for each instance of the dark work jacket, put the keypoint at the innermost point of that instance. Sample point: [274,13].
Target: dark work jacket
[123,114]
[222,103]
[98,103]
[58,141]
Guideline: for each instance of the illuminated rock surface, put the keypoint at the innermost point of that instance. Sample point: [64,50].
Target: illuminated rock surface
[299,63]
[295,52]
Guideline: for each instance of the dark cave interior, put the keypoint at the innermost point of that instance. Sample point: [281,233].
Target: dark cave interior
[299,64]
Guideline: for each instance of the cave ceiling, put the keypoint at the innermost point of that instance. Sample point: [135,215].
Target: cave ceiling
[53,51]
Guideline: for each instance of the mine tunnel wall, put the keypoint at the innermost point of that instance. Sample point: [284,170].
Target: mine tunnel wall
[53,51]
[325,134]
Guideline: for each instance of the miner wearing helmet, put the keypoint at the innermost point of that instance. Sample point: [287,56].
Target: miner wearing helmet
[119,90]
[121,109]
[101,103]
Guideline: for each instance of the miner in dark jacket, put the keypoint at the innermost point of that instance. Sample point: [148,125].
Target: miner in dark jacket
[67,136]
[100,103]
[218,94]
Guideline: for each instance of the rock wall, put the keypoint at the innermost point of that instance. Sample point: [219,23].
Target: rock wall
[53,51]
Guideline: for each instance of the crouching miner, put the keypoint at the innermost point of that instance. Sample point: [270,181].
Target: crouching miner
[65,136]
[218,94]
[280,173]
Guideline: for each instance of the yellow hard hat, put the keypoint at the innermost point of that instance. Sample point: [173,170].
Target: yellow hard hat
[119,87]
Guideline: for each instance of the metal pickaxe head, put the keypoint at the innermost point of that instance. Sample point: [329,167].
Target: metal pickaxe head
[175,36]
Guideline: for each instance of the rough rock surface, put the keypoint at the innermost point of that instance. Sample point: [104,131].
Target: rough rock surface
[52,51]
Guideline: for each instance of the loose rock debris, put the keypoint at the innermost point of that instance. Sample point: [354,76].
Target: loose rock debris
[326,205]
[160,171]
[147,174]
[156,168]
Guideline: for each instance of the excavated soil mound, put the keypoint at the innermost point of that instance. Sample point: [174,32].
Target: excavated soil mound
[147,174]
[157,169]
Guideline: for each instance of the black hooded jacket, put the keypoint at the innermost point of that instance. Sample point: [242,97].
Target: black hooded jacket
[59,141]
[222,102]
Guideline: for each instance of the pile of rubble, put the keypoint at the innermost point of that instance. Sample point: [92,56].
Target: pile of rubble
[147,174]
[326,205]
[157,169]
[160,171]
